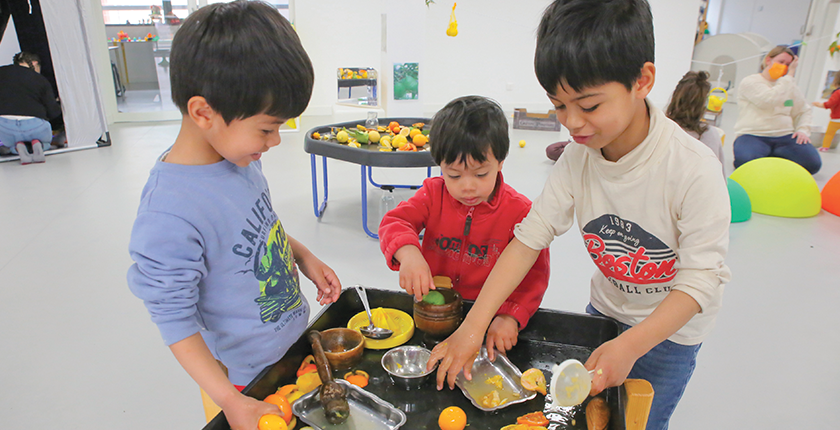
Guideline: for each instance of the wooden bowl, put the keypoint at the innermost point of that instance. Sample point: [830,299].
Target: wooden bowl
[343,347]
[439,321]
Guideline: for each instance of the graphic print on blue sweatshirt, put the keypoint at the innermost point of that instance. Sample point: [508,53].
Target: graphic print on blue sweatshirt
[633,260]
[270,260]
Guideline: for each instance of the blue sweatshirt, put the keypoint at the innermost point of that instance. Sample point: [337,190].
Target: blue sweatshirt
[212,257]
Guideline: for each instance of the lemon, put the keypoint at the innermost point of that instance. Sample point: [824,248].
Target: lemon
[342,136]
[373,136]
[385,141]
[434,298]
[399,141]
[405,131]
[521,143]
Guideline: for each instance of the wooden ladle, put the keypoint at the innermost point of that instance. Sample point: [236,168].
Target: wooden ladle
[333,395]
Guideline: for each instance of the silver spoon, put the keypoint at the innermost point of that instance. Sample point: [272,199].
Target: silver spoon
[371,330]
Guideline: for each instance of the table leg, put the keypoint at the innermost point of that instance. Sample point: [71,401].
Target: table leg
[413,187]
[364,205]
[319,208]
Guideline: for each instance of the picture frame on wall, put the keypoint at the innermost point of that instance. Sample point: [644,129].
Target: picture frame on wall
[406,83]
[829,78]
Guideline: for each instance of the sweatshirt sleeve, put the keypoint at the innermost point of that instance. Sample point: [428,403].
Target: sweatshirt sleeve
[764,96]
[402,225]
[48,99]
[525,300]
[703,226]
[552,213]
[168,265]
[833,100]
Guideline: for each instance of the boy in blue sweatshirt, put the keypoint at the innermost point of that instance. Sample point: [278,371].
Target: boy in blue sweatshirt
[213,264]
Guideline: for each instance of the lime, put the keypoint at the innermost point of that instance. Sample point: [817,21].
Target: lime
[434,298]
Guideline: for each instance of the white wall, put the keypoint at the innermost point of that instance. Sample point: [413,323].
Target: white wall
[825,24]
[780,21]
[492,55]
[9,46]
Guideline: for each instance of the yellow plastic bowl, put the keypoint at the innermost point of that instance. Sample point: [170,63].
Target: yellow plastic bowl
[400,322]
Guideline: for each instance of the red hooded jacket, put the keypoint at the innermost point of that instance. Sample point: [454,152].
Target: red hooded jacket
[464,242]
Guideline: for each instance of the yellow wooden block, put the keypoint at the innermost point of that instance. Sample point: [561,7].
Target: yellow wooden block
[639,397]
[210,408]
[442,282]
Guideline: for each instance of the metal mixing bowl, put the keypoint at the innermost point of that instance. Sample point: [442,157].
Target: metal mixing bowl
[407,365]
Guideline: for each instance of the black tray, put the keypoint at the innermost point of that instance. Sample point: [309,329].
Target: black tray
[550,338]
[368,154]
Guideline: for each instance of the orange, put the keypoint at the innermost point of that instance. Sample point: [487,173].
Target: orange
[283,404]
[452,418]
[534,380]
[533,419]
[419,139]
[414,132]
[491,399]
[272,422]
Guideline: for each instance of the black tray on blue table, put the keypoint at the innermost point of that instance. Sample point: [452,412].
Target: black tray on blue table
[550,338]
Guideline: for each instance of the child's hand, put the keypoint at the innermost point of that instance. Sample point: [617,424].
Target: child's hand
[502,335]
[456,353]
[243,412]
[324,278]
[415,275]
[612,363]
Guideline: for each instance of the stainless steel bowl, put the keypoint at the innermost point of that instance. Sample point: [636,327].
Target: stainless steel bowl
[407,365]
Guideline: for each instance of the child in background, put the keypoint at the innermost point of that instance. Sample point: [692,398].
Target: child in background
[687,106]
[649,202]
[833,103]
[213,264]
[468,214]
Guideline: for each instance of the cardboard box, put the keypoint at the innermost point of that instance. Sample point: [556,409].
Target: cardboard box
[536,121]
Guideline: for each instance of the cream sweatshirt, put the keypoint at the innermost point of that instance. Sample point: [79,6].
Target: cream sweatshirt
[771,109]
[655,220]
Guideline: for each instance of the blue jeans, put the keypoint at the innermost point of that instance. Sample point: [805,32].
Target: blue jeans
[13,131]
[748,147]
[668,367]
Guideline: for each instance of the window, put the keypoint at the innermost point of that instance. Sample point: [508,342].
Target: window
[151,11]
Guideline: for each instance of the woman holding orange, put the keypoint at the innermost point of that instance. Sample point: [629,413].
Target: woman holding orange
[774,120]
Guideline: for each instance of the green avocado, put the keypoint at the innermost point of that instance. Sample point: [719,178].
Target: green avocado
[434,298]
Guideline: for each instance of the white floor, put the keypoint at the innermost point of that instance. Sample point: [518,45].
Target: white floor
[79,351]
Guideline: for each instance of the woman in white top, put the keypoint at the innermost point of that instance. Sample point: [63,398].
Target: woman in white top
[774,120]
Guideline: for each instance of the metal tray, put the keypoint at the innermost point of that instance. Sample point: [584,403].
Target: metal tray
[550,338]
[511,391]
[367,411]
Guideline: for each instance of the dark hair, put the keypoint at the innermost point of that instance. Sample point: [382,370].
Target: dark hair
[26,58]
[688,103]
[585,43]
[244,58]
[469,126]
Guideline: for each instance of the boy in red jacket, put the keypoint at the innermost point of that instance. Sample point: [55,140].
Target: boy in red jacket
[468,213]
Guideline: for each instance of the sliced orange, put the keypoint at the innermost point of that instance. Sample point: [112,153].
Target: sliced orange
[307,365]
[533,419]
[308,382]
[534,380]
